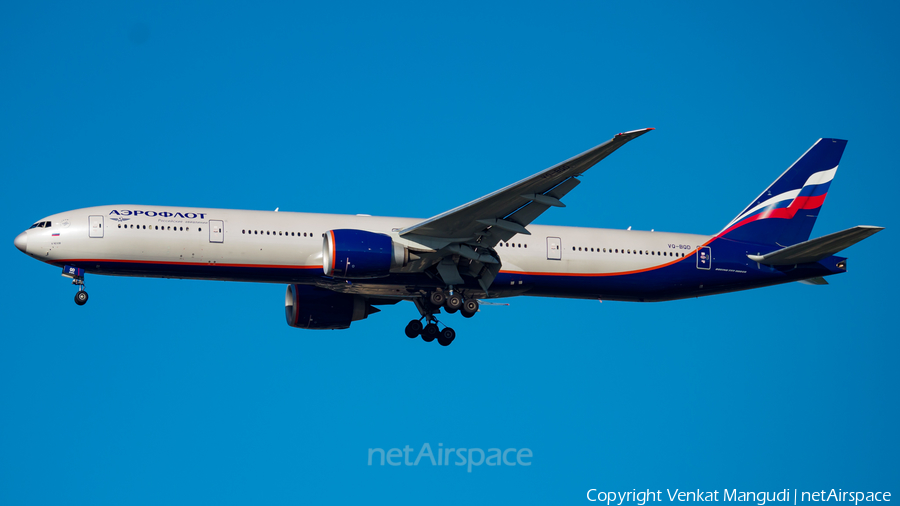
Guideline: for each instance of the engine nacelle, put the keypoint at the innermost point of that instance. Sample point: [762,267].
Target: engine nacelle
[358,254]
[310,307]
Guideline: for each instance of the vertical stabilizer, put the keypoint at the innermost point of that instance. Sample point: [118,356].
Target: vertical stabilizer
[784,214]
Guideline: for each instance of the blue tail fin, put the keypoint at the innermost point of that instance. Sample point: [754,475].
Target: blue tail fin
[784,214]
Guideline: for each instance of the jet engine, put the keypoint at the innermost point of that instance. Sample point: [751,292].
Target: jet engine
[310,307]
[358,254]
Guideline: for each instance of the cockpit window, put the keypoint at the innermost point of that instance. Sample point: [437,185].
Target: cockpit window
[47,224]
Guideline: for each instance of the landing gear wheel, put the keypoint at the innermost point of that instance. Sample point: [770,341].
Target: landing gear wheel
[453,303]
[430,332]
[447,336]
[413,329]
[81,297]
[437,299]
[469,308]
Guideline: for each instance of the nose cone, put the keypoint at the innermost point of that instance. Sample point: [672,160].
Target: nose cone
[21,242]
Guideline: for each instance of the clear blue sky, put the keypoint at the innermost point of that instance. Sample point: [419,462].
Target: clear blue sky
[166,391]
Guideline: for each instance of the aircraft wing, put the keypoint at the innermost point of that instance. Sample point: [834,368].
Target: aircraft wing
[506,212]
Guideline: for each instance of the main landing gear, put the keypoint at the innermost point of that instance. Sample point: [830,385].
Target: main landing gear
[429,330]
[77,275]
[453,302]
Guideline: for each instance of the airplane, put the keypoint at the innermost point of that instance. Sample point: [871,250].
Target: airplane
[339,268]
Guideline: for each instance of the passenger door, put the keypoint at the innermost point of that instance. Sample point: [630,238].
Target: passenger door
[704,258]
[96,226]
[554,248]
[216,231]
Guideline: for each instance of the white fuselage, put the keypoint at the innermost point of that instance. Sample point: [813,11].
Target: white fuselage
[294,240]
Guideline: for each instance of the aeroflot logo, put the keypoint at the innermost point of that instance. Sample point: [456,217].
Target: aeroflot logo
[163,214]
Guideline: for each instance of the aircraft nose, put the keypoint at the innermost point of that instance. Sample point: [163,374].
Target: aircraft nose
[21,242]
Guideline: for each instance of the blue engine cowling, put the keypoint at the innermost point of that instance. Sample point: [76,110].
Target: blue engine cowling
[358,254]
[310,307]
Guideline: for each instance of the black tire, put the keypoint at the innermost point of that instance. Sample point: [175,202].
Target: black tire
[437,299]
[413,329]
[81,297]
[447,336]
[466,314]
[430,332]
[453,303]
[470,306]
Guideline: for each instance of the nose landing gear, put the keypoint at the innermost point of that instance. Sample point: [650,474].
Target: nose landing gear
[77,275]
[81,297]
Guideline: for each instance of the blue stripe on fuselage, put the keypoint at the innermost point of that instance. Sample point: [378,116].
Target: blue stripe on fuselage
[730,270]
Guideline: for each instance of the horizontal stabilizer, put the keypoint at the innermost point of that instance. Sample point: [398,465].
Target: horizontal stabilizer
[814,281]
[817,249]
